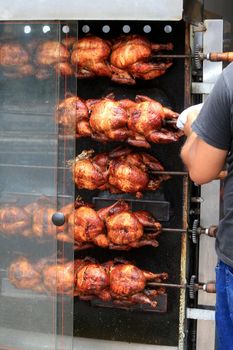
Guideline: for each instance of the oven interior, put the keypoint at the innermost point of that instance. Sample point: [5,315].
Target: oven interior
[28,163]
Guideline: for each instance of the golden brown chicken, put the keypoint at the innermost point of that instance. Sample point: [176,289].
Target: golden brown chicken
[90,56]
[131,172]
[91,172]
[13,54]
[90,279]
[125,229]
[130,59]
[43,227]
[42,224]
[121,170]
[114,227]
[22,274]
[52,55]
[108,120]
[51,52]
[147,123]
[41,212]
[15,61]
[84,225]
[34,220]
[123,283]
[64,68]
[128,281]
[118,281]
[73,115]
[14,220]
[138,122]
[59,279]
[42,276]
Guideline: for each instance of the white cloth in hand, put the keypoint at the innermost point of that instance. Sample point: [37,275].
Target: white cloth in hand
[184,115]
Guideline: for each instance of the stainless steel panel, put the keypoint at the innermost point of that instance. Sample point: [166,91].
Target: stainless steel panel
[212,41]
[202,88]
[91,10]
[199,314]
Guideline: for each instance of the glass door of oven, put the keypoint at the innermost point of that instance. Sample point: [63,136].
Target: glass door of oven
[36,288]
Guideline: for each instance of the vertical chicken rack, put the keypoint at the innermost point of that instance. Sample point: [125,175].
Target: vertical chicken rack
[28,106]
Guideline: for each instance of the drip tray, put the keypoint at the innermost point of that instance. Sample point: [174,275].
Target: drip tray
[159,209]
[160,308]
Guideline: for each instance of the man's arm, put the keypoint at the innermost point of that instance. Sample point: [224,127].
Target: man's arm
[209,137]
[204,162]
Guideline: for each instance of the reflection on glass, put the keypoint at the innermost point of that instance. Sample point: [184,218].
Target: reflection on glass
[35,183]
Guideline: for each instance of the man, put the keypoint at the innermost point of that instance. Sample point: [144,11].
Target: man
[208,146]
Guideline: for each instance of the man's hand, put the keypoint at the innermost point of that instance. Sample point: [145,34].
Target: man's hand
[187,117]
[203,161]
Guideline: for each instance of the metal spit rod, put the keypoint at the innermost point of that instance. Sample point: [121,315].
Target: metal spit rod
[210,56]
[221,175]
[208,287]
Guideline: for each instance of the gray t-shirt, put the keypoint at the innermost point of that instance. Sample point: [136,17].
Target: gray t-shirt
[215,126]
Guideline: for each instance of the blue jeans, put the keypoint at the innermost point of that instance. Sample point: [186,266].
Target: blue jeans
[224,306]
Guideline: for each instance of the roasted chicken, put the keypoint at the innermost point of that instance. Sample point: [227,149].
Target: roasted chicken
[108,120]
[22,274]
[130,59]
[123,60]
[121,170]
[35,58]
[13,54]
[59,278]
[90,56]
[14,220]
[113,227]
[33,220]
[138,122]
[147,123]
[118,281]
[51,52]
[15,60]
[73,115]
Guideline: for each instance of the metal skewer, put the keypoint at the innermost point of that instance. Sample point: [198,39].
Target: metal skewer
[193,286]
[173,56]
[168,285]
[198,55]
[220,176]
[164,172]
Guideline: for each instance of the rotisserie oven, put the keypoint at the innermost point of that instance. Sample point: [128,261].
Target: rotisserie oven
[98,219]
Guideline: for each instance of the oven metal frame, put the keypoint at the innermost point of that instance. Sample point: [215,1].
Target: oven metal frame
[91,10]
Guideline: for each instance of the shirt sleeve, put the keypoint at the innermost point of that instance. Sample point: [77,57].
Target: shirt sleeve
[213,124]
